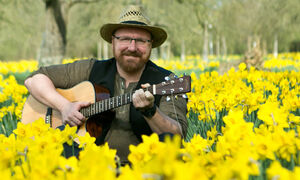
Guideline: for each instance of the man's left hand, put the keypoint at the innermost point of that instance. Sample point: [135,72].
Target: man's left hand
[143,99]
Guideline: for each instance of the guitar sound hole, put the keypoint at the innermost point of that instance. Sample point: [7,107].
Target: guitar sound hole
[96,124]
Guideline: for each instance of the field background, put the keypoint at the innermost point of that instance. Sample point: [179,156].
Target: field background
[247,117]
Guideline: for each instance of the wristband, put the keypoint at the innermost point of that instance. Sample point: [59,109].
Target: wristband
[149,113]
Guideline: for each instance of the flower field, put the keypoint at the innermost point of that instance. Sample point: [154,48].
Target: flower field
[243,124]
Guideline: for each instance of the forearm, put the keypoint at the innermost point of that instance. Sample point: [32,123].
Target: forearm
[42,88]
[161,123]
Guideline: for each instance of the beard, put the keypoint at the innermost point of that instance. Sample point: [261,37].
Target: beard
[131,61]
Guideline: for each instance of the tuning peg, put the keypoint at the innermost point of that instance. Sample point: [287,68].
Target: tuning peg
[167,78]
[184,96]
[176,97]
[168,98]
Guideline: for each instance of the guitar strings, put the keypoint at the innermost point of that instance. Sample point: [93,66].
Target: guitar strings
[172,97]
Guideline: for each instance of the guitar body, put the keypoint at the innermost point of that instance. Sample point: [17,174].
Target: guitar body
[84,91]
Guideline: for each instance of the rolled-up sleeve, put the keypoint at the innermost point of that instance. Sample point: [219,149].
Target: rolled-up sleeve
[67,75]
[175,108]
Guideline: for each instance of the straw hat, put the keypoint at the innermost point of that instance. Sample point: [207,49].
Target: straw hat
[133,16]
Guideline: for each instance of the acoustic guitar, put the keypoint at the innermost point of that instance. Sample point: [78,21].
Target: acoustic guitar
[99,113]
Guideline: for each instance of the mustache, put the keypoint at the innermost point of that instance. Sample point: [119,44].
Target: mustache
[132,53]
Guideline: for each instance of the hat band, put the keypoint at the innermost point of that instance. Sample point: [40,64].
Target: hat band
[134,22]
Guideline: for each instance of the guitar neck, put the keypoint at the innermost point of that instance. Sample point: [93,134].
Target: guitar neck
[172,86]
[110,103]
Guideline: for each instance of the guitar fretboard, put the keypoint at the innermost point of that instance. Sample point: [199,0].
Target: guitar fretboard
[108,104]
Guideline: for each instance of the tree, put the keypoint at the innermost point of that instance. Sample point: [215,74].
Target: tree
[53,46]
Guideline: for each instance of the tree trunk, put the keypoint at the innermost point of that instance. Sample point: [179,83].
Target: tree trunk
[264,48]
[182,54]
[54,41]
[224,47]
[249,46]
[168,50]
[218,46]
[105,50]
[275,52]
[211,44]
[154,54]
[99,49]
[165,50]
[205,43]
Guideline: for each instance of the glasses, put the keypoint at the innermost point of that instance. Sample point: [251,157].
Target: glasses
[124,40]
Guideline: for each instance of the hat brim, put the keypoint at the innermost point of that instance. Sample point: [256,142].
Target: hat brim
[159,35]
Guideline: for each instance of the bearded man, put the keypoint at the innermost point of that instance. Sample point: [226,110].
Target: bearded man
[130,70]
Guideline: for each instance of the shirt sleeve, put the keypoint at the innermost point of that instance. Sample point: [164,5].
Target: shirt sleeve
[67,75]
[176,108]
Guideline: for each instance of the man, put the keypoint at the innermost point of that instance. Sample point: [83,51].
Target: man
[130,70]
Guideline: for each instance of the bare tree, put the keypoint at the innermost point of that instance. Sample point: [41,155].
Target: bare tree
[53,46]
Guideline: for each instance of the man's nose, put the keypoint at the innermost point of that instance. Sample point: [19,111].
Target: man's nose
[132,45]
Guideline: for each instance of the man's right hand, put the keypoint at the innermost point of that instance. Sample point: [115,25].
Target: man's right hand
[71,115]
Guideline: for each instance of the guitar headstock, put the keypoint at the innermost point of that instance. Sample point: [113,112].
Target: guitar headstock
[173,86]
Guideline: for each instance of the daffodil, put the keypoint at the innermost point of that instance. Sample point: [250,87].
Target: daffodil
[276,171]
[86,140]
